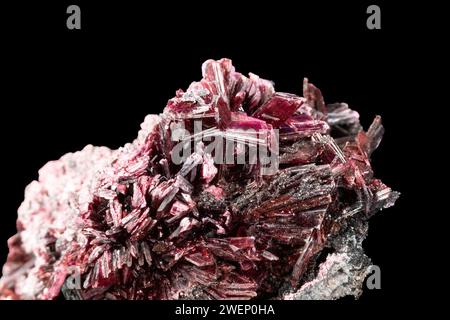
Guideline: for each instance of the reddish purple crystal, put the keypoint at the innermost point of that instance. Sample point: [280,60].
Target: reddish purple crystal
[134,224]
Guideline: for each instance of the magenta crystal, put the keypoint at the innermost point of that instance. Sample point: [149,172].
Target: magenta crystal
[137,223]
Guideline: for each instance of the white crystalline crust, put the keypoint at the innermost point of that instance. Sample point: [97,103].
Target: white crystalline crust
[52,205]
[343,273]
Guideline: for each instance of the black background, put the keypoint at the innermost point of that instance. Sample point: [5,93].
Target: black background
[64,89]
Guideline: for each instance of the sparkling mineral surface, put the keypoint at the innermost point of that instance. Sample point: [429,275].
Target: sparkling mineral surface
[235,191]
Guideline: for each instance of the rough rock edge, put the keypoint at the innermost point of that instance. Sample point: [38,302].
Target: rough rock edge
[344,271]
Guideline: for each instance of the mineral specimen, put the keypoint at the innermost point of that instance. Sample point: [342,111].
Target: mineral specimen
[234,192]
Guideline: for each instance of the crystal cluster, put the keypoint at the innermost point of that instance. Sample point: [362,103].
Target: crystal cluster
[136,223]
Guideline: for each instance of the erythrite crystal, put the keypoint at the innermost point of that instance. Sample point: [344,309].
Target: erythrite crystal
[195,209]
